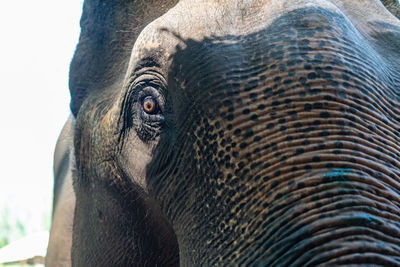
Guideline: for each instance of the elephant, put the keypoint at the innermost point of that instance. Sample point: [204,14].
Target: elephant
[241,132]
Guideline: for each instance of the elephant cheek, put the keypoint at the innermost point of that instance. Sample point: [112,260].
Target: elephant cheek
[135,157]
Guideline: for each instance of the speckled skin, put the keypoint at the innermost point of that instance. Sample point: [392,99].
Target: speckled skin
[278,141]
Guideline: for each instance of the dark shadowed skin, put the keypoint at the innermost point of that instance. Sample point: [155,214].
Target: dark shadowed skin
[254,133]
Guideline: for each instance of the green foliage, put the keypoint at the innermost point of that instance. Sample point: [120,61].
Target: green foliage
[17,223]
[47,221]
[11,228]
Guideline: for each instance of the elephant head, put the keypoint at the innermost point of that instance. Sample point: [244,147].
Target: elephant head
[237,133]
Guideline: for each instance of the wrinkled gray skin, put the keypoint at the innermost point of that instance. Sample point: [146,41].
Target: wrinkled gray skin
[274,138]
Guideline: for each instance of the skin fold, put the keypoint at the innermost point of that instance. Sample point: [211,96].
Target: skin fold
[219,133]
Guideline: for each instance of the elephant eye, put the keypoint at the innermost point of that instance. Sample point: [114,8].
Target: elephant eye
[150,106]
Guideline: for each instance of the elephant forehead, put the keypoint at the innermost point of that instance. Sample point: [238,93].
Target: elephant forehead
[201,19]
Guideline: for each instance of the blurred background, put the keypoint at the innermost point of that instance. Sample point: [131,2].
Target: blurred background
[38,39]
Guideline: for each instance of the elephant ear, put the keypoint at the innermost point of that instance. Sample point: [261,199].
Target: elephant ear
[393,6]
[108,31]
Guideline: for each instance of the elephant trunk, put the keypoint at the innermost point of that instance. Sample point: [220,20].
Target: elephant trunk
[319,186]
[328,217]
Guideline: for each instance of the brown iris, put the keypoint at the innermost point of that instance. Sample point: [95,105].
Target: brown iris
[149,105]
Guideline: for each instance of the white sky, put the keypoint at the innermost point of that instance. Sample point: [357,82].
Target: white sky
[37,42]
